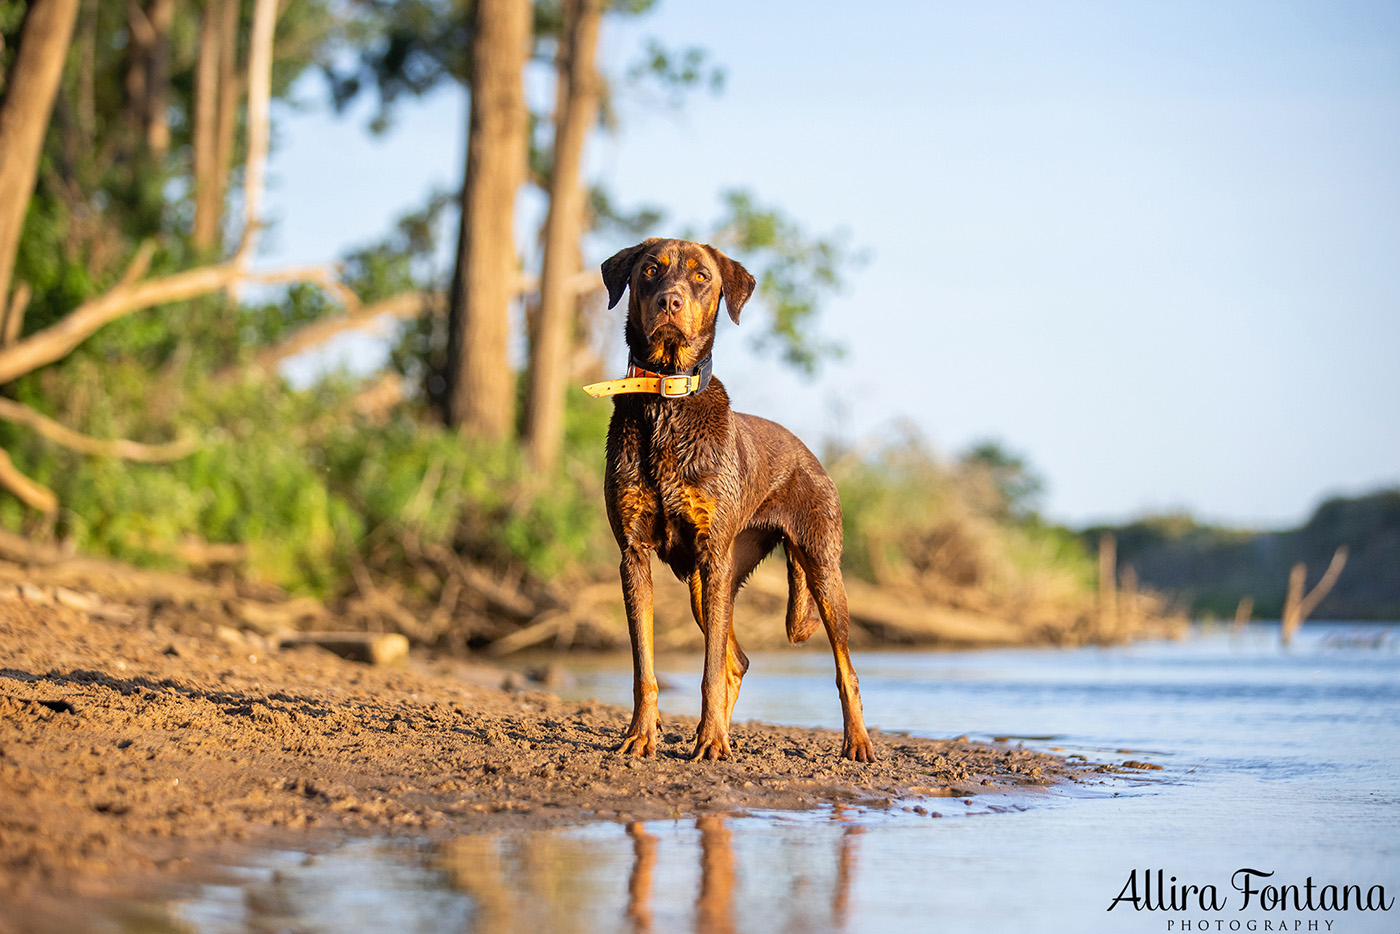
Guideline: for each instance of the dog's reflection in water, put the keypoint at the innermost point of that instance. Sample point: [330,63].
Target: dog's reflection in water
[714,903]
[564,882]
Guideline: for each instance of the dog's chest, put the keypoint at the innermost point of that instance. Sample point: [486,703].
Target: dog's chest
[677,476]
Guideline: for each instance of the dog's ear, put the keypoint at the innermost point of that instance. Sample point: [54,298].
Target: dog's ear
[617,269]
[735,282]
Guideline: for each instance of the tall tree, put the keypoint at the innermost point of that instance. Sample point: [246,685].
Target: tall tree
[576,111]
[480,389]
[24,116]
[148,70]
[215,117]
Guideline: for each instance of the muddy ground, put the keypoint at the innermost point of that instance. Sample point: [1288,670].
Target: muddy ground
[130,751]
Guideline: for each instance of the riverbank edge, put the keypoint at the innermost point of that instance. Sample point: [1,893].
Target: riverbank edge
[133,753]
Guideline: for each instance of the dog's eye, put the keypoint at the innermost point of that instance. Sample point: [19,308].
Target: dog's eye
[702,276]
[649,271]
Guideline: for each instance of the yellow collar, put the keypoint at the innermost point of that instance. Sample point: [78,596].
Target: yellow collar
[661,384]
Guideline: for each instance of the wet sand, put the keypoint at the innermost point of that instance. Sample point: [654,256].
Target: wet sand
[134,752]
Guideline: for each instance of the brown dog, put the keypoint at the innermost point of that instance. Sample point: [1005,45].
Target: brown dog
[710,490]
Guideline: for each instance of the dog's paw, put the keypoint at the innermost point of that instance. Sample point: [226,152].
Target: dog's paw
[858,749]
[711,743]
[639,743]
[800,630]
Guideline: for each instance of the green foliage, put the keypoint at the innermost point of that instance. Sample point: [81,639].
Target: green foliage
[404,260]
[612,220]
[1017,486]
[399,48]
[1213,567]
[676,71]
[100,191]
[794,270]
[314,483]
[302,480]
[943,529]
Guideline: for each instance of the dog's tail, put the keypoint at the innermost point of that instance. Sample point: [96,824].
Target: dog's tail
[802,618]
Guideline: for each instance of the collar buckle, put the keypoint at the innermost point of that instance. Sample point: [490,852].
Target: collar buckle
[683,382]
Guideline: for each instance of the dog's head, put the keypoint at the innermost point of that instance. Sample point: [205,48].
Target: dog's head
[676,286]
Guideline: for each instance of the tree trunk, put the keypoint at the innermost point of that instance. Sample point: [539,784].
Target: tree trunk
[148,71]
[228,107]
[215,118]
[480,392]
[206,119]
[140,39]
[25,109]
[260,54]
[160,13]
[575,114]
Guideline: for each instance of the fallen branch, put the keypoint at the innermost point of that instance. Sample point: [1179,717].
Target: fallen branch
[58,340]
[110,578]
[322,276]
[379,398]
[30,492]
[14,315]
[131,586]
[549,625]
[139,265]
[193,550]
[46,427]
[133,292]
[892,618]
[499,596]
[373,648]
[403,305]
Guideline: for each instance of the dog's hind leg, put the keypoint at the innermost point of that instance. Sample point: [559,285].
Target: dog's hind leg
[802,617]
[829,592]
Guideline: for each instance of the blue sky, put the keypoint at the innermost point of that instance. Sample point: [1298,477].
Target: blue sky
[1153,246]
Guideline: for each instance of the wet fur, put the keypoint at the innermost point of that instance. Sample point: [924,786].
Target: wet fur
[712,492]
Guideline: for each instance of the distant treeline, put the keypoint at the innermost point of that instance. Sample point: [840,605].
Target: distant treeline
[1210,569]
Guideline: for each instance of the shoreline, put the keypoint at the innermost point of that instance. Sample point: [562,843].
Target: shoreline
[133,751]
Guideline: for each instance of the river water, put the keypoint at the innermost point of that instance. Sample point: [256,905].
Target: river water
[1276,760]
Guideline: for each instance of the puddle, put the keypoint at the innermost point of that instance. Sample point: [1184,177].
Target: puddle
[1282,761]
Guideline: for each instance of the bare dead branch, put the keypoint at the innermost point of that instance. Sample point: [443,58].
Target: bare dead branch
[548,625]
[1297,605]
[1244,610]
[46,427]
[140,263]
[1325,585]
[323,276]
[57,340]
[403,305]
[195,551]
[30,492]
[379,398]
[14,315]
[1108,582]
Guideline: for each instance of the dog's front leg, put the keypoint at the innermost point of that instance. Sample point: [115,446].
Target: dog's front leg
[636,595]
[712,738]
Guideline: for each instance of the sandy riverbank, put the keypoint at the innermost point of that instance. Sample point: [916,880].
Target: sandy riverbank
[129,751]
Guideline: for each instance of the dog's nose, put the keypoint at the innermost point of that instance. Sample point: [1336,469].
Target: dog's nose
[670,302]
